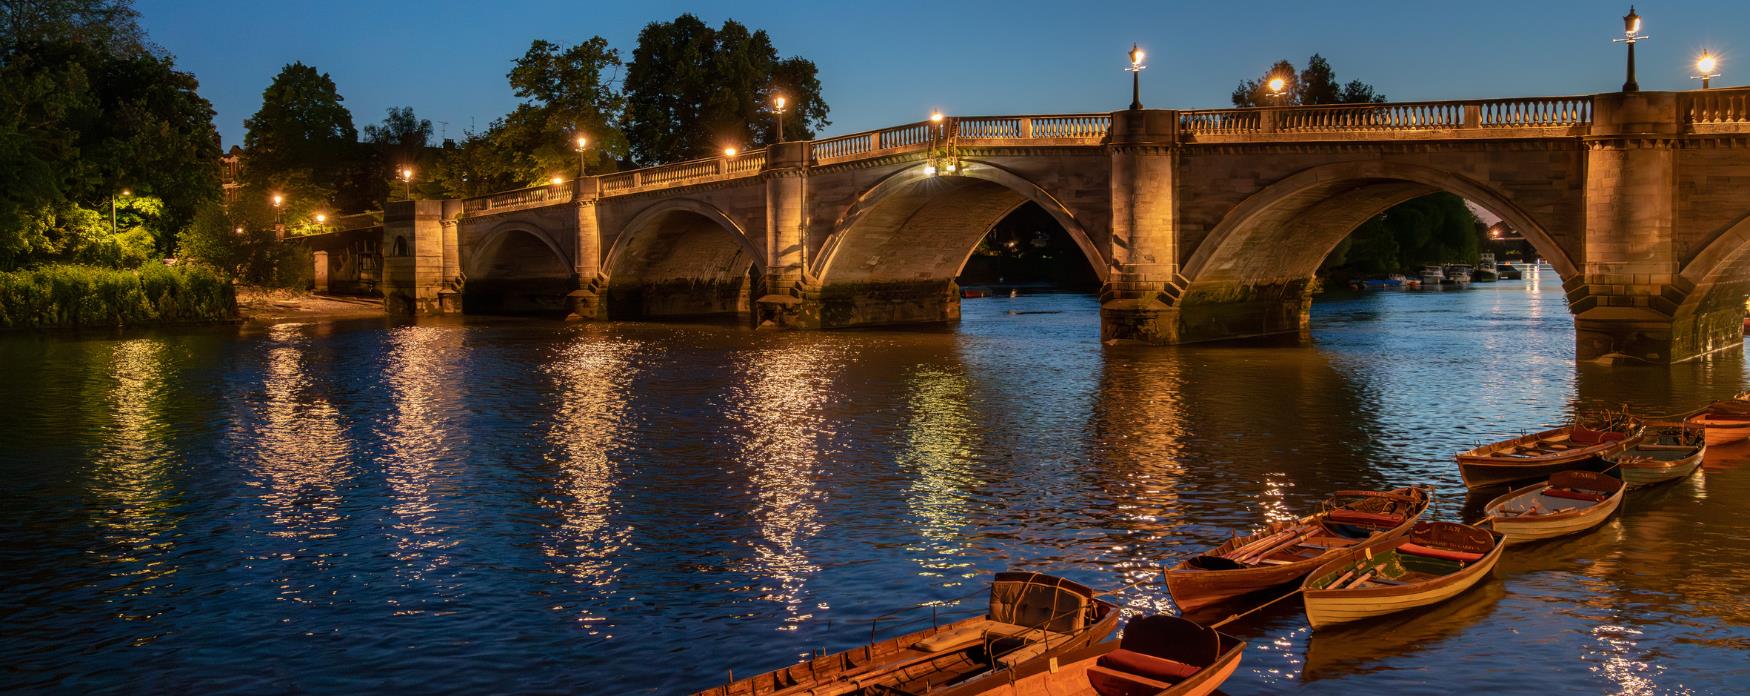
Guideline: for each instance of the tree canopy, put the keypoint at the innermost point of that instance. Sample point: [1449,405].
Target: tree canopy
[692,90]
[88,109]
[1316,84]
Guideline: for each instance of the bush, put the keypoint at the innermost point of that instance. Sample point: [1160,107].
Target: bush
[65,296]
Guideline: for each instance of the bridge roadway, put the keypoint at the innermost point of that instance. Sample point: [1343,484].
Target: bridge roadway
[1203,225]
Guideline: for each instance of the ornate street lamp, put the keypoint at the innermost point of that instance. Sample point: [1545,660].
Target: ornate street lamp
[1631,33]
[1277,86]
[1705,67]
[778,114]
[943,157]
[730,152]
[407,181]
[1135,70]
[582,144]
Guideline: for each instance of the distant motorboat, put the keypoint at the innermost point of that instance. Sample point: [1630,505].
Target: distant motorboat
[1507,271]
[1432,275]
[1457,274]
[1485,272]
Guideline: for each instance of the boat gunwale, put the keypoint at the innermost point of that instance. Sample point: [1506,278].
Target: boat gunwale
[1602,508]
[1481,566]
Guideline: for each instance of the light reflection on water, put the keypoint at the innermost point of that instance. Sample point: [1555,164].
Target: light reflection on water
[467,506]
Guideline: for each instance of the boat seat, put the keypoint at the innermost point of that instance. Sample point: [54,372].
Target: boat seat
[1146,665]
[1572,494]
[970,634]
[1443,554]
[1014,645]
[1111,682]
[1357,517]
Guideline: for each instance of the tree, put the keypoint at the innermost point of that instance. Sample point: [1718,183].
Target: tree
[401,140]
[1317,84]
[87,108]
[692,90]
[568,92]
[303,131]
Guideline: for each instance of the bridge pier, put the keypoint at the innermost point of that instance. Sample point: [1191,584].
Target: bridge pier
[788,298]
[1628,298]
[414,255]
[585,301]
[1140,299]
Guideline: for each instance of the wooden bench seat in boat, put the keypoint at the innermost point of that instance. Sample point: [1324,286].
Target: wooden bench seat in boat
[1111,682]
[977,631]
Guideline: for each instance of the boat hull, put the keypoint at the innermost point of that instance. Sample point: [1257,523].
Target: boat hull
[1636,473]
[1494,465]
[1069,676]
[1719,431]
[1331,607]
[1521,530]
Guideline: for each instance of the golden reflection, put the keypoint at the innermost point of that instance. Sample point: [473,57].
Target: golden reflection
[591,378]
[1142,432]
[303,447]
[422,370]
[779,405]
[131,482]
[940,442]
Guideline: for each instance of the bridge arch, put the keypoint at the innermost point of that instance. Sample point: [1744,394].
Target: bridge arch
[679,258]
[871,228]
[893,256]
[1252,274]
[516,268]
[1717,280]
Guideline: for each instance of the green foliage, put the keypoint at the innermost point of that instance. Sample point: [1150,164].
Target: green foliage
[86,110]
[692,90]
[567,92]
[66,296]
[1317,84]
[1433,229]
[302,137]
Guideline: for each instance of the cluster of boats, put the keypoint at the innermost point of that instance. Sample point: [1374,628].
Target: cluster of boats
[1451,275]
[1360,555]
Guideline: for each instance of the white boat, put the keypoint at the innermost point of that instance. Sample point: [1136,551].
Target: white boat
[1432,275]
[1458,274]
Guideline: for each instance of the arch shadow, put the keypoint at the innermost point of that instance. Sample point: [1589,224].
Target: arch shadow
[681,258]
[516,270]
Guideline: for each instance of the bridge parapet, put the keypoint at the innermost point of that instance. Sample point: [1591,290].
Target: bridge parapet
[1534,117]
[519,199]
[690,172]
[1717,110]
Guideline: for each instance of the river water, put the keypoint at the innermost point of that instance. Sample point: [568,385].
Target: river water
[497,505]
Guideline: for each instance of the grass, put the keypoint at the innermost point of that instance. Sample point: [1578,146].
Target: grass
[69,296]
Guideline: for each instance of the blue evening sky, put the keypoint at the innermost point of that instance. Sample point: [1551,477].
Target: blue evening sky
[890,61]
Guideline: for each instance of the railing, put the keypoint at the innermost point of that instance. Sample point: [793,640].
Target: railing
[357,221]
[1076,126]
[1537,112]
[1549,112]
[909,135]
[538,195]
[1719,106]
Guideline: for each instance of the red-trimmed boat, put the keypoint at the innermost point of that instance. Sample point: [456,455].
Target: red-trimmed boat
[1582,445]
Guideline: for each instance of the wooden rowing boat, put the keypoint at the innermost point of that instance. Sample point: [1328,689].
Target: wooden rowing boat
[1159,656]
[1570,502]
[1576,446]
[1284,552]
[1723,422]
[1032,618]
[1666,455]
[1434,562]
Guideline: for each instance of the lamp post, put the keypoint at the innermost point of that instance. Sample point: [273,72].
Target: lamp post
[112,227]
[277,200]
[778,114]
[1704,68]
[582,144]
[322,222]
[1135,70]
[407,181]
[937,122]
[730,152]
[1631,33]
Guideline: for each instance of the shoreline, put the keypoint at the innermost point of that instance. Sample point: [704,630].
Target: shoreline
[267,306]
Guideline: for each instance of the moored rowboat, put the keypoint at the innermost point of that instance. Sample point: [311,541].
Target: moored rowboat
[1538,455]
[1286,551]
[1032,618]
[1666,456]
[1434,562]
[1570,502]
[1159,656]
[1724,422]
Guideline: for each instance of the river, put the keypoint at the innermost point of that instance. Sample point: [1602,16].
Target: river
[468,505]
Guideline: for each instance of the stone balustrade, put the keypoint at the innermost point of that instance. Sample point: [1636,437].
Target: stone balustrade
[1706,111]
[520,198]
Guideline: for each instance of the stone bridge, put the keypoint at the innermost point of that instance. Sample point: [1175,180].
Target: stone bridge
[1203,225]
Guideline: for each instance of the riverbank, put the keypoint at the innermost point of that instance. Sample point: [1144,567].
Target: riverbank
[259,305]
[76,297]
